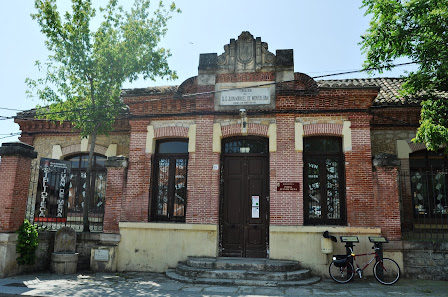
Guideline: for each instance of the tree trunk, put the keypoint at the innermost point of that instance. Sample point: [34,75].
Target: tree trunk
[89,190]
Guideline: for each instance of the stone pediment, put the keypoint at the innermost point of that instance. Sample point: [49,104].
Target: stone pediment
[246,54]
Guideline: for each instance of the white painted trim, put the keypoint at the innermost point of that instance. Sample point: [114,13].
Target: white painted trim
[217,136]
[85,144]
[298,131]
[272,134]
[192,138]
[403,149]
[150,140]
[111,150]
[56,152]
[347,136]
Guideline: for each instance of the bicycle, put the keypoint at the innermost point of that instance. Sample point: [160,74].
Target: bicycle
[385,270]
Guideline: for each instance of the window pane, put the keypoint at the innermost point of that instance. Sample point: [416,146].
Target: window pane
[180,189]
[440,193]
[419,193]
[324,145]
[314,195]
[246,146]
[162,187]
[100,191]
[75,162]
[100,161]
[435,160]
[324,195]
[417,161]
[84,161]
[428,160]
[173,147]
[333,195]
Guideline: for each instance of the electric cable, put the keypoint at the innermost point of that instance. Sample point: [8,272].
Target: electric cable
[199,93]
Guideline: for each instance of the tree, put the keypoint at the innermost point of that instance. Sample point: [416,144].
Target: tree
[418,30]
[86,69]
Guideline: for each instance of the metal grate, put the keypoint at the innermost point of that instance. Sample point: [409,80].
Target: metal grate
[424,204]
[72,212]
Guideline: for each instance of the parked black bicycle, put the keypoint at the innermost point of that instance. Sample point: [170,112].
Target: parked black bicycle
[342,268]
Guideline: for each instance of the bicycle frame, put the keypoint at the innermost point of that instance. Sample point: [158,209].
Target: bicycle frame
[343,267]
[360,255]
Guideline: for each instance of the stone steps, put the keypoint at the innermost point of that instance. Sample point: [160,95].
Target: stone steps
[242,272]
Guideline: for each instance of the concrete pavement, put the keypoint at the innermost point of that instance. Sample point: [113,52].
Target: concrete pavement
[154,284]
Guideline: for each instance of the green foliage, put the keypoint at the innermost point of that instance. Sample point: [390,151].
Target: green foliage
[87,68]
[418,30]
[433,130]
[27,243]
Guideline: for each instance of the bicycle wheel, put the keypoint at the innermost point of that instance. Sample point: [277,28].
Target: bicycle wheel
[341,275]
[386,272]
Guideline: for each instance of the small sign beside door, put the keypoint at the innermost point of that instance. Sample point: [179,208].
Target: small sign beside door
[288,186]
[255,207]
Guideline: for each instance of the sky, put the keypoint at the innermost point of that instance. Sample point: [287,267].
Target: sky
[324,35]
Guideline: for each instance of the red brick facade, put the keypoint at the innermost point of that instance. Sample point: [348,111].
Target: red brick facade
[387,202]
[116,189]
[322,111]
[15,170]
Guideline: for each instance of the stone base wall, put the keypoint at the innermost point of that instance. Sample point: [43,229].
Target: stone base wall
[385,141]
[425,260]
[84,244]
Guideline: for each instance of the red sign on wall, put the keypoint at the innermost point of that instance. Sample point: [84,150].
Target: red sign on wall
[288,187]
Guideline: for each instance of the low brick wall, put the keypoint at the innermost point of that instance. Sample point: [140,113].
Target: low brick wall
[425,260]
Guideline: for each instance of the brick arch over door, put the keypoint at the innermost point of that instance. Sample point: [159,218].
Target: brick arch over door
[76,149]
[322,130]
[252,129]
[167,132]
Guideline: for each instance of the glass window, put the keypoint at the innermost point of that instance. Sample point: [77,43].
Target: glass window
[246,146]
[324,196]
[77,187]
[170,190]
[322,145]
[173,147]
[429,180]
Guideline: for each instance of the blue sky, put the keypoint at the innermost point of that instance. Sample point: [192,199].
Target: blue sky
[324,35]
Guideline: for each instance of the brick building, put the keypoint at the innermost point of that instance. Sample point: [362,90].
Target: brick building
[250,159]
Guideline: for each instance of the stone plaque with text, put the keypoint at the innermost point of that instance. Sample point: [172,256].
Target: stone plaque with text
[246,96]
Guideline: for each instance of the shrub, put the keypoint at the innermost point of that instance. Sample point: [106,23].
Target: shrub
[27,242]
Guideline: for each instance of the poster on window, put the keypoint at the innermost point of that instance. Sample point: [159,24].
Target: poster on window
[52,191]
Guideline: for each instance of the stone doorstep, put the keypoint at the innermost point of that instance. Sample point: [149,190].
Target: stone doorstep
[241,272]
[240,282]
[243,263]
[188,271]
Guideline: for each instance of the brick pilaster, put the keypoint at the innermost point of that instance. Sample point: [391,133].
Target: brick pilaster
[358,174]
[136,202]
[385,188]
[15,170]
[286,165]
[203,181]
[116,187]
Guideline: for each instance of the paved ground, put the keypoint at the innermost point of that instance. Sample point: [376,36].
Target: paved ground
[153,284]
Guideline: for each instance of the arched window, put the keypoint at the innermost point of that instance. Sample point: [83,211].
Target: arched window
[324,195]
[429,180]
[170,181]
[77,190]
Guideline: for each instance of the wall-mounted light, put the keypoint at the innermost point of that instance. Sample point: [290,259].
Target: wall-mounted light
[243,114]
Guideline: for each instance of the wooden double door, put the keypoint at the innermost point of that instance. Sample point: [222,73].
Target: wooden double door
[244,226]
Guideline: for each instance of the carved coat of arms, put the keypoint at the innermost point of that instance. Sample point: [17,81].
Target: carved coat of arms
[245,49]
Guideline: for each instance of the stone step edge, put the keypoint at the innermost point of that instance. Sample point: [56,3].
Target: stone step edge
[171,273]
[242,263]
[253,274]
